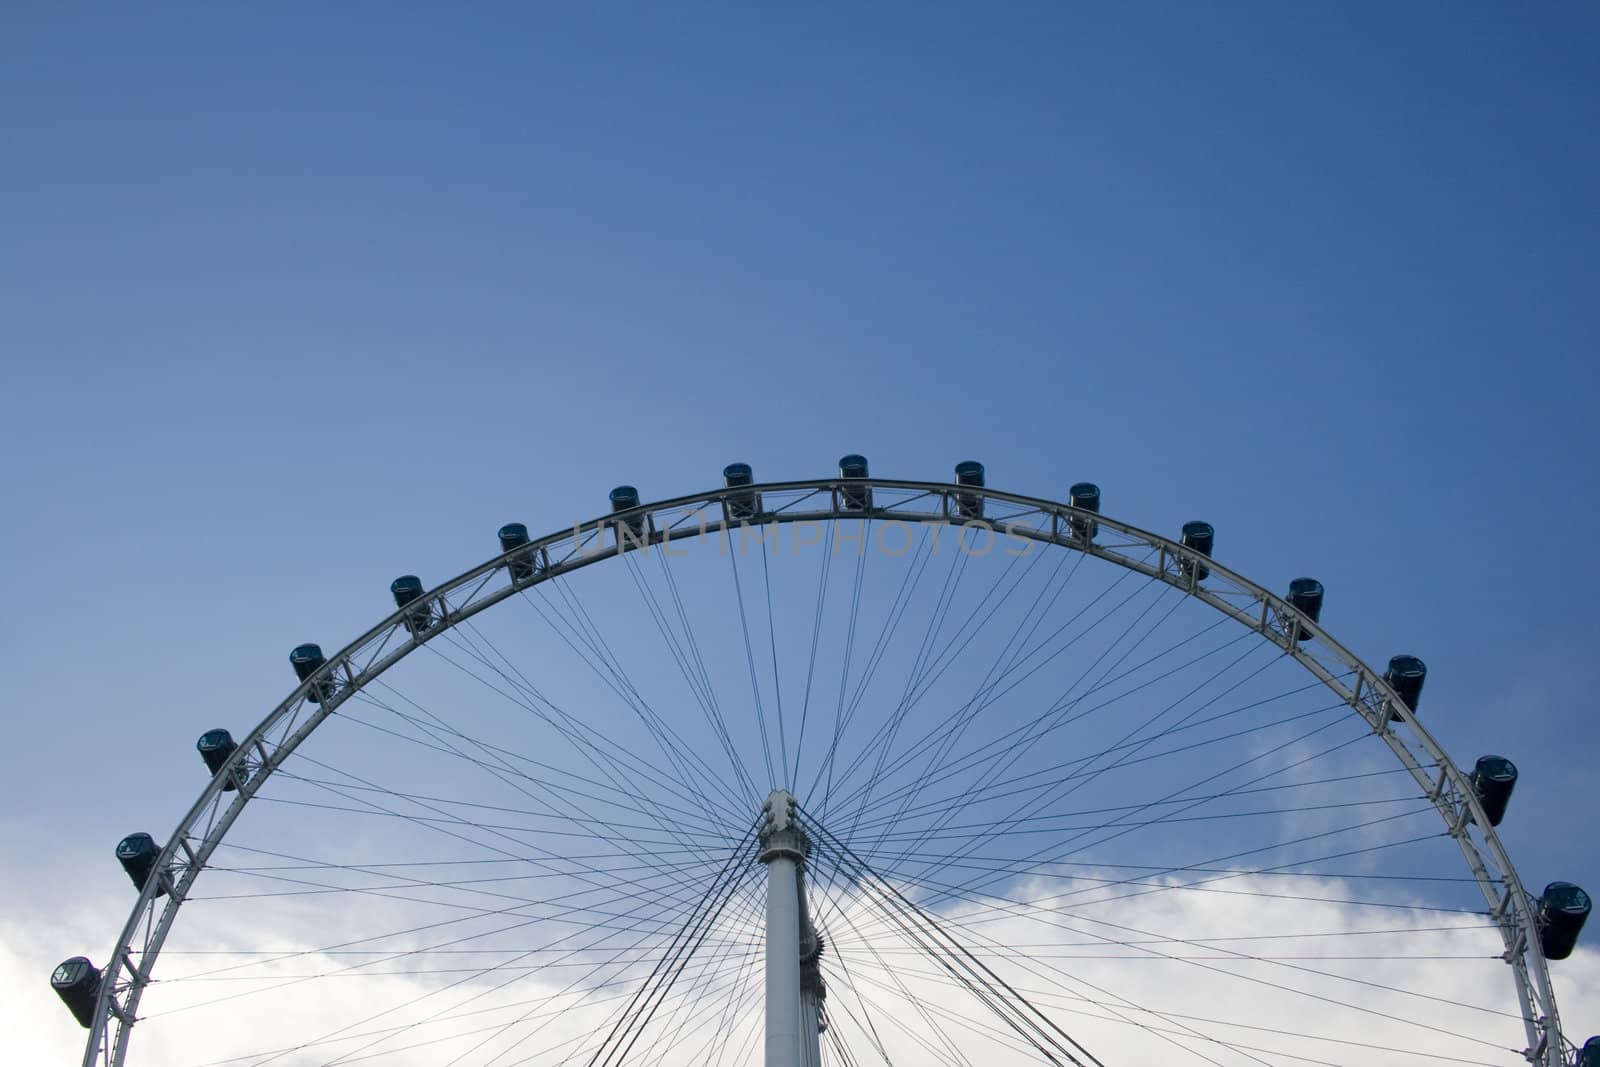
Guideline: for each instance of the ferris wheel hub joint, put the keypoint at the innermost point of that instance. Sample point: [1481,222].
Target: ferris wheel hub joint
[781,835]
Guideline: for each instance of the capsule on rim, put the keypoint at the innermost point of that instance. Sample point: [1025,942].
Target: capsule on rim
[306,660]
[215,746]
[1589,1055]
[1202,537]
[1405,676]
[77,982]
[969,505]
[1305,594]
[854,497]
[407,589]
[740,505]
[1085,496]
[624,497]
[138,854]
[514,535]
[1563,909]
[1493,779]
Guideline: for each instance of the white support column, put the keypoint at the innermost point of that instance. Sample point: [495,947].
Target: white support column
[782,849]
[812,988]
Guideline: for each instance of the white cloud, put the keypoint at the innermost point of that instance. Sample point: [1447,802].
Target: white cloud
[1073,968]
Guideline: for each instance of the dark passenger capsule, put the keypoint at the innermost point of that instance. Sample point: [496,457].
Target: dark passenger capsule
[1086,497]
[515,535]
[1306,595]
[1201,537]
[1589,1055]
[1405,676]
[624,497]
[306,659]
[1493,779]
[215,746]
[854,497]
[1562,912]
[740,505]
[77,983]
[407,589]
[969,505]
[138,854]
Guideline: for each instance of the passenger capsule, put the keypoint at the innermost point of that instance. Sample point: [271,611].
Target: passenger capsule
[969,505]
[1201,537]
[1405,676]
[138,854]
[306,660]
[740,505]
[77,983]
[1085,496]
[854,497]
[1305,594]
[1562,911]
[1493,779]
[215,747]
[1589,1055]
[515,535]
[407,589]
[624,497]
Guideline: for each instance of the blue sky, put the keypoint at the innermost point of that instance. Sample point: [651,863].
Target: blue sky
[294,300]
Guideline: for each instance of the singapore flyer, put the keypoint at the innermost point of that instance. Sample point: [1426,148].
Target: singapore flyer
[1034,727]
[833,535]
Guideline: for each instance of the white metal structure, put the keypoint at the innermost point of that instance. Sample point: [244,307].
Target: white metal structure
[793,988]
[792,1031]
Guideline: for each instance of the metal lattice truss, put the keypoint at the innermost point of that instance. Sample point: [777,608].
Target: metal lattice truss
[989,516]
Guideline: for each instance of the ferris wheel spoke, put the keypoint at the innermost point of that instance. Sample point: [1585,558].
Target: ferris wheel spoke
[650,932]
[713,963]
[888,900]
[1034,782]
[683,1023]
[999,908]
[1061,771]
[996,748]
[588,642]
[953,722]
[620,1039]
[1080,842]
[1083,775]
[811,659]
[562,782]
[602,753]
[749,656]
[1008,653]
[845,708]
[1059,974]
[882,742]
[693,772]
[690,910]
[439,819]
[1006,759]
[948,1053]
[699,678]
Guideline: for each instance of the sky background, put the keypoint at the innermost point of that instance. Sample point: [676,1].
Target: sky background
[296,299]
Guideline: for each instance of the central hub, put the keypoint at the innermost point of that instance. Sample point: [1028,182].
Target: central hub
[781,835]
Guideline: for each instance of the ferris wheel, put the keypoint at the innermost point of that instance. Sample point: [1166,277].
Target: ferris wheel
[852,771]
